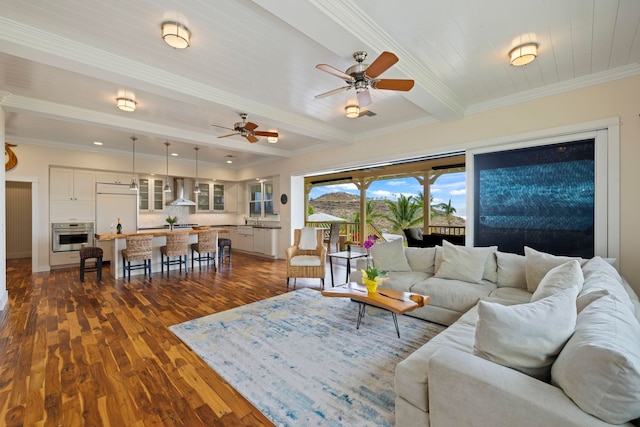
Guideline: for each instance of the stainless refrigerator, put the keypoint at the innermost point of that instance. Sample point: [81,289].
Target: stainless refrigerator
[115,201]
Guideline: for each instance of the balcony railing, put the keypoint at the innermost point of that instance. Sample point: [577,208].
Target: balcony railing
[349,231]
[448,229]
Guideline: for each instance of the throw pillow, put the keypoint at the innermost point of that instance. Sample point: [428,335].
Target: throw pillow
[463,263]
[564,276]
[308,239]
[599,368]
[421,259]
[511,270]
[389,256]
[537,264]
[526,337]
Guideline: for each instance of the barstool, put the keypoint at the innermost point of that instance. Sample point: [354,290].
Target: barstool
[206,246]
[88,252]
[139,248]
[177,245]
[224,249]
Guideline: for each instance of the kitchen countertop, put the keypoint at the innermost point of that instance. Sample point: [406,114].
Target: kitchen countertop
[155,232]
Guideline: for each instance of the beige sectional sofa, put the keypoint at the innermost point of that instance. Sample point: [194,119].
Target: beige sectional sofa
[532,340]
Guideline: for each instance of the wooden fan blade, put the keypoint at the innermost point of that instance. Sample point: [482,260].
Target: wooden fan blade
[264,133]
[331,92]
[393,84]
[251,138]
[250,126]
[223,127]
[381,64]
[231,134]
[334,71]
[364,98]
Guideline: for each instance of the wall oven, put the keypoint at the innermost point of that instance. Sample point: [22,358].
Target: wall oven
[71,236]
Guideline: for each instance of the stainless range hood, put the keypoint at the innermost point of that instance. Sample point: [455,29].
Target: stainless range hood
[178,190]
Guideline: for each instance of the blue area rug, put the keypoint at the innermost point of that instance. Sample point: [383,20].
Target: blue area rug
[300,360]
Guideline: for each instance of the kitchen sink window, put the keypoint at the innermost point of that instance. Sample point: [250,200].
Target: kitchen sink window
[261,199]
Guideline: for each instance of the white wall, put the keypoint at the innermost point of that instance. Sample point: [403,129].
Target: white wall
[614,99]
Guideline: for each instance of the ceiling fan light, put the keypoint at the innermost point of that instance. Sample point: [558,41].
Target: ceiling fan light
[352,111]
[175,34]
[272,139]
[523,54]
[126,104]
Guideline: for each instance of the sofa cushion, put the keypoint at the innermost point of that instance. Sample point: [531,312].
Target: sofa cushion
[421,259]
[599,368]
[453,295]
[516,295]
[537,264]
[564,276]
[526,337]
[491,268]
[403,280]
[305,261]
[601,279]
[463,263]
[389,256]
[411,379]
[511,270]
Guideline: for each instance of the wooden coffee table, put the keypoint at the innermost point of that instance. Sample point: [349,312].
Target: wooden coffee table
[397,302]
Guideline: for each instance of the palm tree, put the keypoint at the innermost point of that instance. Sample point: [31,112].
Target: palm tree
[406,213]
[370,211]
[446,210]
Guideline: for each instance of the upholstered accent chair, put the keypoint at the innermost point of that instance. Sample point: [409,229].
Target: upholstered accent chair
[307,256]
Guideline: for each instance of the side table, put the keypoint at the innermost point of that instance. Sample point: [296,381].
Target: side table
[348,255]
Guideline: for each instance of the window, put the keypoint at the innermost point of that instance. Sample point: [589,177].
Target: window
[261,199]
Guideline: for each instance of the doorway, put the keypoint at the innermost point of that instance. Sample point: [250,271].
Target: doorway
[19,219]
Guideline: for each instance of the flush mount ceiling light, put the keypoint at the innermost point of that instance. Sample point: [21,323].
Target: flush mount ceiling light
[352,111]
[134,184]
[126,104]
[272,139]
[167,187]
[523,54]
[175,34]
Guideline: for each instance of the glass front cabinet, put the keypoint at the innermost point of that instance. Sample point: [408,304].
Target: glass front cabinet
[211,198]
[151,195]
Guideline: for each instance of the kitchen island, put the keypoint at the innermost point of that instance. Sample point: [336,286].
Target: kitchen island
[119,242]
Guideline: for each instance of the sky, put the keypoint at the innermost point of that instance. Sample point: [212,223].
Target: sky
[446,186]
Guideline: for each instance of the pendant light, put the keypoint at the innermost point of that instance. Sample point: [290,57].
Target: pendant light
[134,184]
[167,187]
[196,187]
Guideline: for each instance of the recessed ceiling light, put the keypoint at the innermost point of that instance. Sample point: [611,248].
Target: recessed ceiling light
[97,143]
[229,157]
[174,154]
[229,161]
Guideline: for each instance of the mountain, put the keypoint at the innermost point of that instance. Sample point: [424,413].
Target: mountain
[346,205]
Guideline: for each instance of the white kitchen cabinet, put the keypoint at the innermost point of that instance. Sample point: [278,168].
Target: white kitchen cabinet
[151,191]
[72,184]
[72,194]
[212,198]
[113,177]
[231,197]
[264,241]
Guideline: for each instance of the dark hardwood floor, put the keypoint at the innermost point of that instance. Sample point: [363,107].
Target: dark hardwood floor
[100,354]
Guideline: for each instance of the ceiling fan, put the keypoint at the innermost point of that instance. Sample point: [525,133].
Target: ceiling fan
[246,129]
[362,76]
